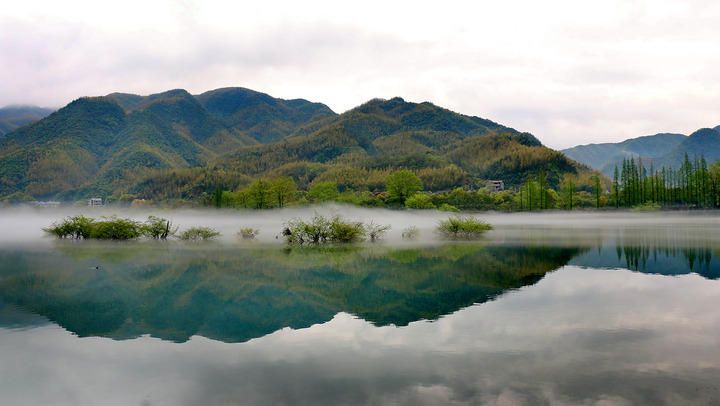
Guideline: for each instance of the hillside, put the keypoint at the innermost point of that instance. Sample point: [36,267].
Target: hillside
[387,134]
[263,117]
[14,117]
[604,157]
[176,145]
[96,145]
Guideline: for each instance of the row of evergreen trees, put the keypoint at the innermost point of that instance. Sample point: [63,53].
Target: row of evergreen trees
[694,184]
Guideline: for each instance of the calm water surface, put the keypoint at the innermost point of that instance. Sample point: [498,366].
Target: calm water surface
[587,310]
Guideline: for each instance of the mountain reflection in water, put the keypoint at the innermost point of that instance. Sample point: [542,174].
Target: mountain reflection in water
[233,295]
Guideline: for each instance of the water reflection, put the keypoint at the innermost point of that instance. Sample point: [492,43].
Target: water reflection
[653,255]
[235,294]
[492,323]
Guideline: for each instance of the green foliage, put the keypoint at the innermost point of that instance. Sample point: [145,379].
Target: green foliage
[322,192]
[260,194]
[344,231]
[448,208]
[114,228]
[284,190]
[199,234]
[360,199]
[321,230]
[159,228]
[463,227]
[77,227]
[403,184]
[419,201]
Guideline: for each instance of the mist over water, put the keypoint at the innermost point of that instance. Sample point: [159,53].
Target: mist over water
[22,225]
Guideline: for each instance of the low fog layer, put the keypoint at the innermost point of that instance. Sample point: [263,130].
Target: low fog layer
[22,225]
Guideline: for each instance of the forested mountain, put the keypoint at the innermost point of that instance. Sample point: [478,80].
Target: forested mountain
[13,117]
[379,135]
[658,150]
[93,144]
[176,145]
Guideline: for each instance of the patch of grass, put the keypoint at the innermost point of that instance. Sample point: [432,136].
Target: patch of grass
[463,227]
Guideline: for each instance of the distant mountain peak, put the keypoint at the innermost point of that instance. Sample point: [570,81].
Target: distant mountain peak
[664,149]
[705,132]
[16,116]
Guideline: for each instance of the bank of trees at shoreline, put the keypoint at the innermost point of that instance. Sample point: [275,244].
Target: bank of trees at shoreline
[694,185]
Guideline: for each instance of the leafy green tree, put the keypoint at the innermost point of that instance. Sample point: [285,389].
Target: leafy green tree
[403,184]
[283,190]
[419,201]
[322,192]
[260,193]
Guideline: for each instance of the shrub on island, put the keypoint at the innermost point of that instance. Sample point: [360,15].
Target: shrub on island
[199,234]
[111,228]
[320,230]
[463,227]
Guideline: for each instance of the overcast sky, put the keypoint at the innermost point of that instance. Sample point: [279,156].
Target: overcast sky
[570,72]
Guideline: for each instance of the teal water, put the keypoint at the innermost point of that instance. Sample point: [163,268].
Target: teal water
[560,316]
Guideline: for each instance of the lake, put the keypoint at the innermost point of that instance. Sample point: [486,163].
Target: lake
[559,308]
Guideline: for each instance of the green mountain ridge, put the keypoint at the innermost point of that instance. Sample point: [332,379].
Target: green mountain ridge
[129,145]
[93,143]
[389,134]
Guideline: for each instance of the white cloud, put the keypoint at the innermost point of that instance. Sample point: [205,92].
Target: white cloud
[569,72]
